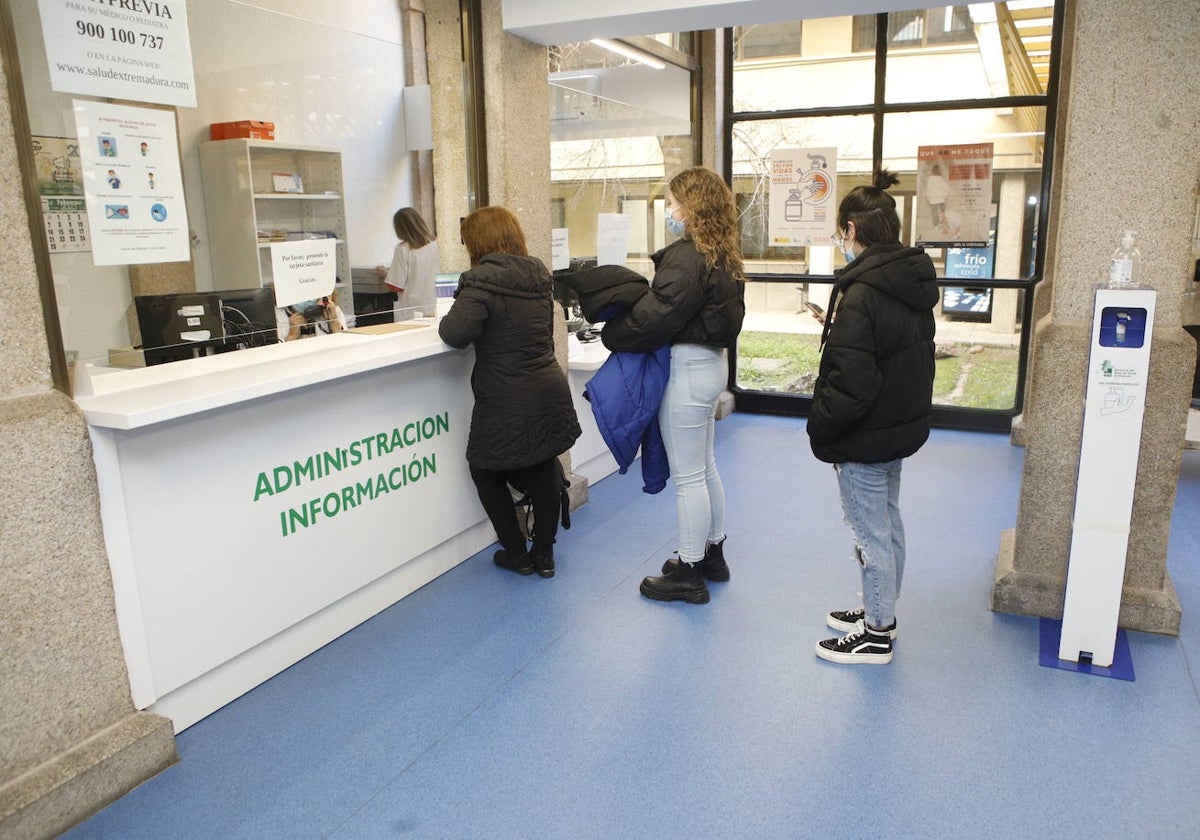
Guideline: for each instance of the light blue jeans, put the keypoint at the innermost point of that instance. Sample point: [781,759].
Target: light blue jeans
[871,506]
[687,417]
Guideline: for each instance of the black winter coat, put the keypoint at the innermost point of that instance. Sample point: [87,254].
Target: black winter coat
[687,304]
[874,390]
[523,412]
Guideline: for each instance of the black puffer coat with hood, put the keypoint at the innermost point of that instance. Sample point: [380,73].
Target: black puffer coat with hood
[523,411]
[874,391]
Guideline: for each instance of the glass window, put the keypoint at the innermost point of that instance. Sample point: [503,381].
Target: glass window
[973,54]
[823,72]
[753,142]
[620,127]
[767,40]
[331,88]
[918,28]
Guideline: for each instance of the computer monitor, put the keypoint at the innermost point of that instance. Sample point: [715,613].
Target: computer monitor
[178,326]
[248,317]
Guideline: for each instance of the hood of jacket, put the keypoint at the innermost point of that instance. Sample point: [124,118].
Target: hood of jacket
[508,275]
[893,269]
[896,270]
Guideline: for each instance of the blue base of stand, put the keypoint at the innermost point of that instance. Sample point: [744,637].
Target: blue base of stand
[1051,634]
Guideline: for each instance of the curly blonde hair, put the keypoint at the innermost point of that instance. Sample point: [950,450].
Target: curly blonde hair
[711,220]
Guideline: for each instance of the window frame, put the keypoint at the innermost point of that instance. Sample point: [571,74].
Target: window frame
[952,417]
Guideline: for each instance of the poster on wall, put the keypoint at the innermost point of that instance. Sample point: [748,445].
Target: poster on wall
[971,301]
[802,206]
[126,50]
[303,270]
[954,195]
[59,176]
[132,184]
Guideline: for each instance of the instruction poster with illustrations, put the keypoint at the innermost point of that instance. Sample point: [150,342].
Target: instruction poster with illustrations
[132,184]
[803,197]
[127,50]
[954,196]
[59,177]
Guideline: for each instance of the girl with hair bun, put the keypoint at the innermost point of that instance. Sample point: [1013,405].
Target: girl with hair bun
[872,403]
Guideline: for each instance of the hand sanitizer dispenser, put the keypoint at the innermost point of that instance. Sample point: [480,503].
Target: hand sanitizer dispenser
[1118,368]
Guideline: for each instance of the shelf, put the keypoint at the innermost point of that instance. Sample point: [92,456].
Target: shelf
[284,241]
[240,201]
[298,196]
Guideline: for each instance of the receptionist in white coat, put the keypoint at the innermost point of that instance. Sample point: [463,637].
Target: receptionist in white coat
[414,264]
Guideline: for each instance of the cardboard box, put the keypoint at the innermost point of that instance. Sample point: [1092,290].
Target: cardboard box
[251,129]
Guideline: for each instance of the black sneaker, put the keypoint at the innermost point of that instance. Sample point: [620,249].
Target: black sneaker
[861,647]
[519,562]
[847,621]
[543,560]
[714,566]
[685,582]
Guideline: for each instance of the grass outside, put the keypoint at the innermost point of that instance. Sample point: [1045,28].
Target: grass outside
[985,378]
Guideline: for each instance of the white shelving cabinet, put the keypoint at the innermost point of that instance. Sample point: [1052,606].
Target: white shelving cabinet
[242,205]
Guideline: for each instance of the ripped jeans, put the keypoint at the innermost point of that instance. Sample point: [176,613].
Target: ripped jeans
[871,507]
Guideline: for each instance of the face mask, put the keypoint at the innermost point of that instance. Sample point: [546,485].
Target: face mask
[309,308]
[675,226]
[848,253]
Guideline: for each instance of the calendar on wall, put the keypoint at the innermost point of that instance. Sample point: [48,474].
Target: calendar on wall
[60,184]
[66,224]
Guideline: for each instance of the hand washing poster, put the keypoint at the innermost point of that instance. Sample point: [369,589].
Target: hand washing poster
[803,197]
[132,184]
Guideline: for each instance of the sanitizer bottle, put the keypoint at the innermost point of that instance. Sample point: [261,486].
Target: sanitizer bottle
[1126,262]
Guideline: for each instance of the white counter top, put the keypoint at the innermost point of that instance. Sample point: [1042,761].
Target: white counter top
[589,356]
[130,399]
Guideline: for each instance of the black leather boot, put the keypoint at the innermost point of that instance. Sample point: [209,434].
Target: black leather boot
[515,561]
[685,582]
[543,559]
[713,565]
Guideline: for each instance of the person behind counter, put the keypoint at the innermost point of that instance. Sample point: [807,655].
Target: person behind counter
[414,266]
[523,417]
[310,317]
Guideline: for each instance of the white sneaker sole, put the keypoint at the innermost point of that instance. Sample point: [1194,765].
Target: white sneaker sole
[851,626]
[854,658]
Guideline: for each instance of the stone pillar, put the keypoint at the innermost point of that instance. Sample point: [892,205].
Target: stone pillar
[1126,158]
[516,142]
[70,739]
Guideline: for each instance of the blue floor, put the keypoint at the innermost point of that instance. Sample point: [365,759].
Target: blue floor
[492,705]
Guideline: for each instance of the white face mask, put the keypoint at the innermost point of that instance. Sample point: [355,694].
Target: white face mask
[844,246]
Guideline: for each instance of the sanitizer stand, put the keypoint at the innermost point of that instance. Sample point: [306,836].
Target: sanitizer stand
[1112,431]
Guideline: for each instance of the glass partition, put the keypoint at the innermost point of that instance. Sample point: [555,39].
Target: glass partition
[620,127]
[317,153]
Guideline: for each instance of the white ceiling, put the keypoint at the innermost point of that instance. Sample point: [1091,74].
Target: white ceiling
[563,21]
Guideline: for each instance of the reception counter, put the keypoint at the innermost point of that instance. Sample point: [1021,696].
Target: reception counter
[258,504]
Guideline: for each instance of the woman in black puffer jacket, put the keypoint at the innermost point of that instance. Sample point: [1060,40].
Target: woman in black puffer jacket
[871,404]
[523,417]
